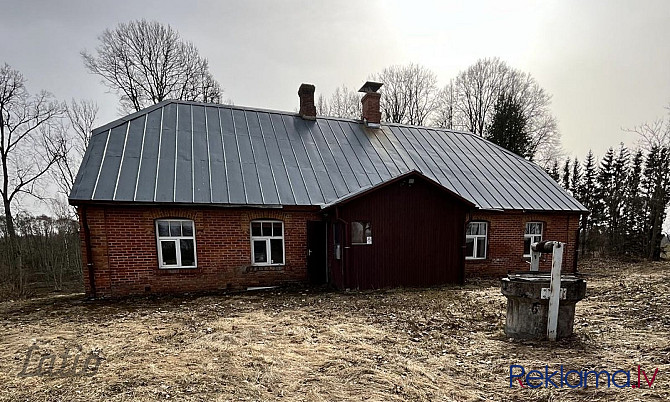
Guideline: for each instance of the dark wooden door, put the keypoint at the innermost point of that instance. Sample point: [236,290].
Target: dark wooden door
[317,266]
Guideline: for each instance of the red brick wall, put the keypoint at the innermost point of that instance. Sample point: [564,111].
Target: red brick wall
[505,241]
[123,241]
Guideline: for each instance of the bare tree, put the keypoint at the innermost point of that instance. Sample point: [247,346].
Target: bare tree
[470,101]
[147,62]
[73,136]
[82,115]
[409,94]
[28,147]
[445,115]
[344,103]
[654,134]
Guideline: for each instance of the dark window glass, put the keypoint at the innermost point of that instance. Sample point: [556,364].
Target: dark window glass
[276,229]
[469,247]
[277,251]
[163,228]
[267,228]
[187,252]
[175,228]
[526,245]
[169,252]
[260,251]
[255,228]
[187,228]
[481,248]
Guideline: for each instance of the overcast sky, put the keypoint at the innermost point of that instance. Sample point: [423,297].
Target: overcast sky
[606,63]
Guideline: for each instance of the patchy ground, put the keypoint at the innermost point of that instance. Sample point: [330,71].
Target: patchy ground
[435,344]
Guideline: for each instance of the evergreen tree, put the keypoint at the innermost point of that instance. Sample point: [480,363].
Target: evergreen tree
[508,127]
[604,180]
[576,183]
[588,196]
[656,190]
[611,181]
[565,181]
[634,209]
[565,178]
[554,173]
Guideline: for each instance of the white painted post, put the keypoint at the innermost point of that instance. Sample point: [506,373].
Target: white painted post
[555,290]
[534,258]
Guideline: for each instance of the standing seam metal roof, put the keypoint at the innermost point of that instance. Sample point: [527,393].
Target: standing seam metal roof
[189,152]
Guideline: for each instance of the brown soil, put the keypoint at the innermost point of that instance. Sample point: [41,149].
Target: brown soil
[430,344]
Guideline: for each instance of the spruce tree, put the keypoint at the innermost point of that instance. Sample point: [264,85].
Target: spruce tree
[656,190]
[565,179]
[554,172]
[576,182]
[611,182]
[508,127]
[634,209]
[588,196]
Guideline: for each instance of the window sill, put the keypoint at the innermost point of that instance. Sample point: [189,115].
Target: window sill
[177,268]
[266,267]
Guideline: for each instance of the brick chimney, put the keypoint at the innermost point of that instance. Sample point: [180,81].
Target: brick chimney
[371,116]
[307,107]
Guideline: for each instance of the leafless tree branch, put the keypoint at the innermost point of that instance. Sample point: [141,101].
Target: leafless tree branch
[148,62]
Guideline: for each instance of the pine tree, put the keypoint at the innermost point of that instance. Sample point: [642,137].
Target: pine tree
[565,180]
[508,127]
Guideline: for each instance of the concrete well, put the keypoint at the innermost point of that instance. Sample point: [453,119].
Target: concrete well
[527,311]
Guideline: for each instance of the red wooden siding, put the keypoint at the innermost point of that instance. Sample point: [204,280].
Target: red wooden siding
[417,238]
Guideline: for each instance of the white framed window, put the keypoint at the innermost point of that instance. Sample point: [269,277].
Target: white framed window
[475,240]
[361,232]
[267,242]
[532,234]
[176,243]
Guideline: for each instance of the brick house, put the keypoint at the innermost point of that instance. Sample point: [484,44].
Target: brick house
[186,196]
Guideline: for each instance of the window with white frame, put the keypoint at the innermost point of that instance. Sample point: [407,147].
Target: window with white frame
[475,240]
[533,234]
[176,243]
[267,242]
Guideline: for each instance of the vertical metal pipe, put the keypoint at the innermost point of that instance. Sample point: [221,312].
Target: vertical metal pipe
[89,251]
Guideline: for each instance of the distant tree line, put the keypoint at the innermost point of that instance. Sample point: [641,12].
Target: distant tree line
[627,193]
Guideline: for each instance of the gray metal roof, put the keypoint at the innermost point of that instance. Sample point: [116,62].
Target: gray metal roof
[187,152]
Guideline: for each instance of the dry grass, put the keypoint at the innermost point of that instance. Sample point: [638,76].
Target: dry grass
[433,344]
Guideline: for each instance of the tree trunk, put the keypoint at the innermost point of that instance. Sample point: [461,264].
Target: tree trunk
[15,260]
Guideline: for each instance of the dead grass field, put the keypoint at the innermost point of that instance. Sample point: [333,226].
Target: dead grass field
[431,344]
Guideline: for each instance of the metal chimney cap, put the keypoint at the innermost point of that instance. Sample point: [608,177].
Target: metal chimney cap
[370,87]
